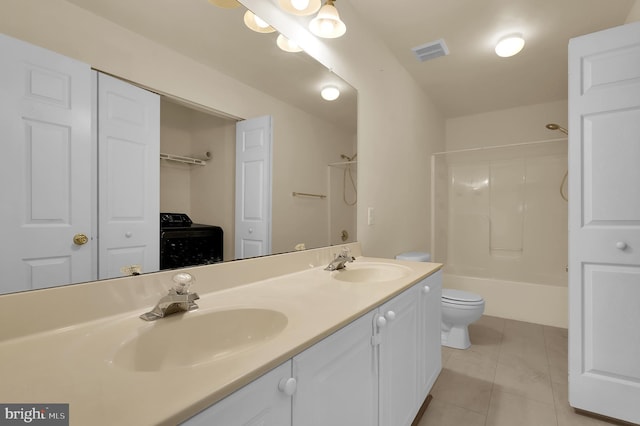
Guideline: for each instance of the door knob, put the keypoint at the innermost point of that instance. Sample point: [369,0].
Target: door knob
[390,315]
[426,289]
[80,239]
[381,321]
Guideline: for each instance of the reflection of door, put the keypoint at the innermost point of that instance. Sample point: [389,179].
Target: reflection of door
[128,177]
[253,187]
[45,179]
[604,222]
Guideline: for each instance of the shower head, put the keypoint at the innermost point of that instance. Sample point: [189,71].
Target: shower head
[554,126]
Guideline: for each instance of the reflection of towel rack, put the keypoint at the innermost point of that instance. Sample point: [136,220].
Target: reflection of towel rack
[180,159]
[304,194]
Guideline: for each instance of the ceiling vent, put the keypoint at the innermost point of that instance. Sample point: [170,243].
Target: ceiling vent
[431,50]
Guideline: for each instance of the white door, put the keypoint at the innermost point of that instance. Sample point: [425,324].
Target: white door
[45,178]
[253,187]
[128,178]
[604,222]
[337,379]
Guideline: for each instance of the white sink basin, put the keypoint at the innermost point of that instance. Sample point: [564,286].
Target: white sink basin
[197,338]
[370,272]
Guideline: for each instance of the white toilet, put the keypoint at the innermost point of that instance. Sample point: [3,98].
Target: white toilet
[459,309]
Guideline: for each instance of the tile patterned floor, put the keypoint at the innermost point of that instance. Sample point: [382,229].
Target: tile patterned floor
[514,374]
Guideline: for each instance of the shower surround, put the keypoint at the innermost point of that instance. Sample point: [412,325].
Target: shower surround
[500,227]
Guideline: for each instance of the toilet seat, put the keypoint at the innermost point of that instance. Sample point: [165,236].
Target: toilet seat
[459,297]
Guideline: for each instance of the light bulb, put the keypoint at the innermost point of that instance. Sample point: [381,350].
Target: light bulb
[260,22]
[257,24]
[300,7]
[300,4]
[327,23]
[287,45]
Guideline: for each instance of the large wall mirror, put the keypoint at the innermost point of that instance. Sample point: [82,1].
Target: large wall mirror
[314,141]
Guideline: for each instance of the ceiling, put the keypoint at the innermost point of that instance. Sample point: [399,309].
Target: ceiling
[471,79]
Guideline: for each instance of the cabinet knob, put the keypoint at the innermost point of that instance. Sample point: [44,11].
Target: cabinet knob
[390,315]
[288,386]
[381,321]
[426,289]
[621,245]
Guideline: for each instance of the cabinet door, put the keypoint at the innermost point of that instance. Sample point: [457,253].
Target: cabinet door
[429,355]
[398,366]
[259,403]
[337,379]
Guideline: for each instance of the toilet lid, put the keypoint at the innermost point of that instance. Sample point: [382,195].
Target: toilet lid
[459,296]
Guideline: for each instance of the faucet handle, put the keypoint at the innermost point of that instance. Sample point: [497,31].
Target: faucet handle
[345,252]
[182,282]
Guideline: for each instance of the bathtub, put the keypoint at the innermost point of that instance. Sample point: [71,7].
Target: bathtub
[530,302]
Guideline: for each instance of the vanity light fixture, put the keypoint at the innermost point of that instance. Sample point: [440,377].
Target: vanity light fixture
[300,7]
[327,23]
[256,24]
[510,45]
[330,93]
[287,45]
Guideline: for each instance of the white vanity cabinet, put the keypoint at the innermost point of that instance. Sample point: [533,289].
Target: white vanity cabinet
[266,401]
[338,379]
[409,347]
[377,370]
[398,366]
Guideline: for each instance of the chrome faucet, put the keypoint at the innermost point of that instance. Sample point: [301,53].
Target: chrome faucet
[340,260]
[177,300]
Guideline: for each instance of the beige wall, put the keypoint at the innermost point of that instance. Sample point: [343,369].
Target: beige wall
[506,127]
[72,31]
[398,130]
[634,13]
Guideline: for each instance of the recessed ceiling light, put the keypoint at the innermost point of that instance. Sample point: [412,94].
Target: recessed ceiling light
[509,45]
[330,93]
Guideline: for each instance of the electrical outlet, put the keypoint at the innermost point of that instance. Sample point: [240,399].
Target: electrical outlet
[371,219]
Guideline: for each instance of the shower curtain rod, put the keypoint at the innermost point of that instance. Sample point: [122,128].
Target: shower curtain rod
[484,148]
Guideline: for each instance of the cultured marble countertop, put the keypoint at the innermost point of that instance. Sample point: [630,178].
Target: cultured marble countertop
[74,363]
